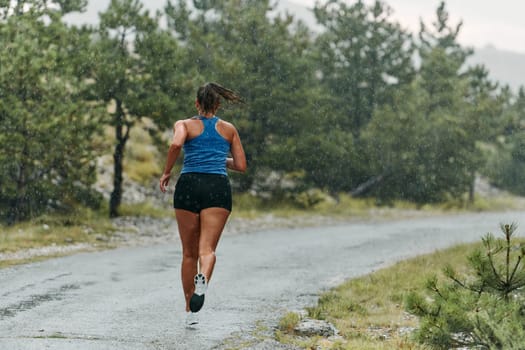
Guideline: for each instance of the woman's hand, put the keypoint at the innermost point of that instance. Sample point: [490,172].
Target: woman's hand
[164,181]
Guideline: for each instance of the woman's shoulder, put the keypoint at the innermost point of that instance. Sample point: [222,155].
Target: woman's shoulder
[186,121]
[226,129]
[225,124]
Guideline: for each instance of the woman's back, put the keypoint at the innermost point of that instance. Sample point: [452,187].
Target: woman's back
[205,149]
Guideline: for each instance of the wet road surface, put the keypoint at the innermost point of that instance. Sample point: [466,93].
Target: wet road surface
[130,298]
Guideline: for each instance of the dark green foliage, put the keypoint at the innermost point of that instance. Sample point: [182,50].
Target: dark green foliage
[482,308]
[506,164]
[362,57]
[422,158]
[343,110]
[116,77]
[425,145]
[328,161]
[47,160]
[265,60]
[133,66]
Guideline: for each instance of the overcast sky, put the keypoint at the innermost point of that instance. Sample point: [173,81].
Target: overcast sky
[500,23]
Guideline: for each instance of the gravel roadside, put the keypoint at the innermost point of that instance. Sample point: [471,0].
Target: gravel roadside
[141,231]
[135,231]
[144,230]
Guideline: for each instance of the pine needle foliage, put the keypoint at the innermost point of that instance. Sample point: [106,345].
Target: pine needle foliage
[481,308]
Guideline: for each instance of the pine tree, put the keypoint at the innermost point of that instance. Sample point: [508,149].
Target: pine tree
[47,161]
[482,308]
[506,163]
[362,58]
[131,67]
[264,57]
[425,145]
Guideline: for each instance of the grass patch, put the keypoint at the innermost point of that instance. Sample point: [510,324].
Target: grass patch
[289,321]
[82,226]
[302,342]
[247,205]
[503,202]
[368,311]
[51,230]
[346,206]
[247,338]
[145,209]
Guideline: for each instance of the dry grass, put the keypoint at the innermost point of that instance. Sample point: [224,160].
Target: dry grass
[142,159]
[145,209]
[59,230]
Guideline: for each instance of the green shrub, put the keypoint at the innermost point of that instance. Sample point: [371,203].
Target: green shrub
[483,308]
[309,199]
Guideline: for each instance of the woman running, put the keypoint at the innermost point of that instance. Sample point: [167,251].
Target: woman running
[202,198]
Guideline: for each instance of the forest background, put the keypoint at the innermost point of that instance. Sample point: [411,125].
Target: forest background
[362,107]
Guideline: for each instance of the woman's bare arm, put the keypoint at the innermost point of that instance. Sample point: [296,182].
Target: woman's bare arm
[238,160]
[179,137]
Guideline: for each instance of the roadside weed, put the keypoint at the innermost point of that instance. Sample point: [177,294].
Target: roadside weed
[368,311]
[289,321]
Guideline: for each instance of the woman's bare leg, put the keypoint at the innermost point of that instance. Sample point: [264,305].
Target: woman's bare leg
[212,221]
[189,228]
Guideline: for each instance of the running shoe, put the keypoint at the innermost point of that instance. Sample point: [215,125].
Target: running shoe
[192,319]
[197,299]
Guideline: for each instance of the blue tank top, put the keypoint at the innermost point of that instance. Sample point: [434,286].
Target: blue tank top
[207,152]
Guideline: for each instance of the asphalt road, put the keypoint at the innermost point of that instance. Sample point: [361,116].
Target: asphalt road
[130,298]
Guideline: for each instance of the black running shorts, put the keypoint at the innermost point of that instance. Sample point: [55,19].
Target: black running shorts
[198,191]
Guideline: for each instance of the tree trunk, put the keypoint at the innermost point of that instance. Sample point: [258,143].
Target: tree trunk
[367,185]
[122,135]
[19,208]
[472,188]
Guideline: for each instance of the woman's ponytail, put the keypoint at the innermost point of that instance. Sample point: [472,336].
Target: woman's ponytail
[226,93]
[209,96]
